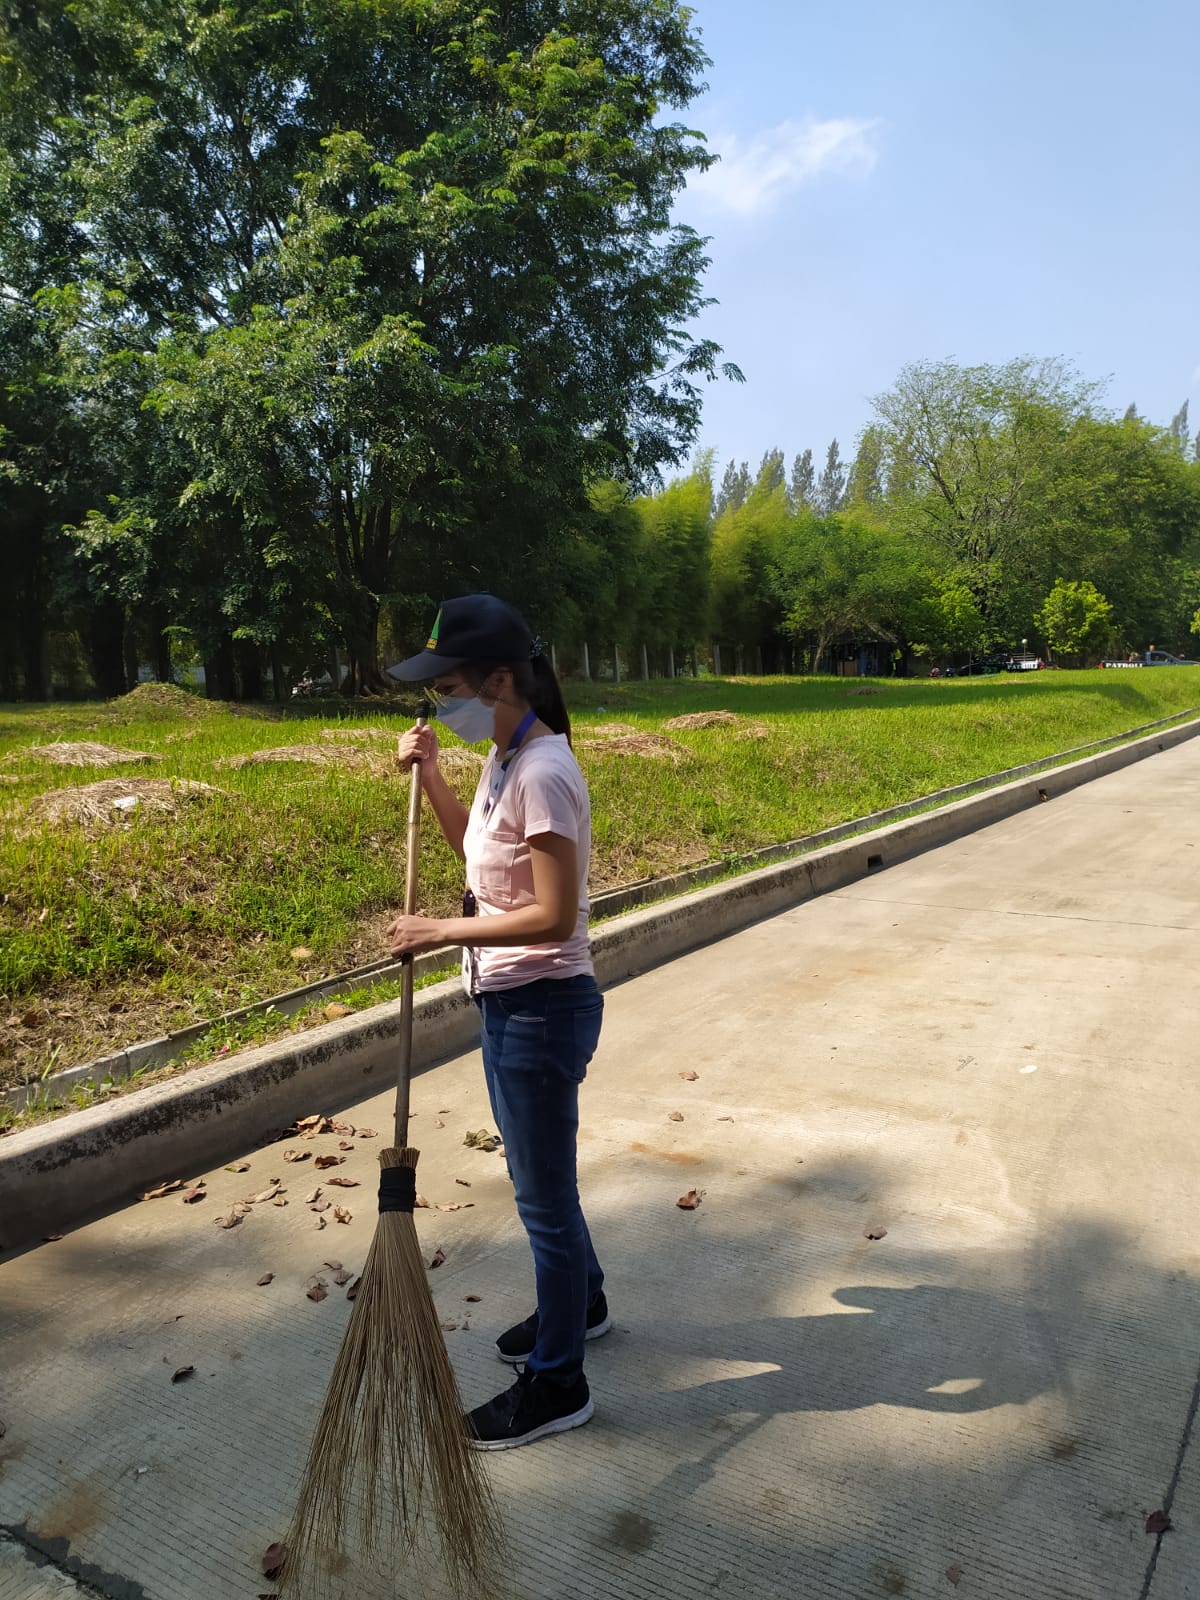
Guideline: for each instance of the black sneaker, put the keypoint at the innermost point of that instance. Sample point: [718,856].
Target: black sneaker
[534,1408]
[517,1344]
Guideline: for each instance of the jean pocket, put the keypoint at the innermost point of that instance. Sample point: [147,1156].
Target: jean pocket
[586,1022]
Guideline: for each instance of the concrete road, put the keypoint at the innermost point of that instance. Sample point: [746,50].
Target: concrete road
[985,1056]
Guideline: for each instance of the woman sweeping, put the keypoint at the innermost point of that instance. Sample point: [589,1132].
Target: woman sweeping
[526,842]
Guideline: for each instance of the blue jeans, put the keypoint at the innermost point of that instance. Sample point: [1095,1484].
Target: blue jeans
[537,1042]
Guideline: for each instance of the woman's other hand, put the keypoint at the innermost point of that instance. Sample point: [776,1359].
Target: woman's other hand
[418,744]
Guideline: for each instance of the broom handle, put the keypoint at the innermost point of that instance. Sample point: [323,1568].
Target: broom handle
[404,1063]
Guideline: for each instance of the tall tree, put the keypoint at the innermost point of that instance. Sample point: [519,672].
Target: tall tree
[772,473]
[802,491]
[831,486]
[864,486]
[736,484]
[1178,430]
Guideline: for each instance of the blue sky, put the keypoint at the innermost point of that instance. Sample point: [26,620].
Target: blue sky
[976,180]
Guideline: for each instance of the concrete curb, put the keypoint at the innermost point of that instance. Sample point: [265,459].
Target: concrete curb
[57,1173]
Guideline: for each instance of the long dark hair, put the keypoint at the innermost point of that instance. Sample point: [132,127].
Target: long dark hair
[537,684]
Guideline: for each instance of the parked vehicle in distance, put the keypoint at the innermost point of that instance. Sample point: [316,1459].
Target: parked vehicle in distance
[1152,658]
[1024,662]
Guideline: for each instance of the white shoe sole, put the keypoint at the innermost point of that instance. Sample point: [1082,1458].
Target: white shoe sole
[592,1333]
[559,1425]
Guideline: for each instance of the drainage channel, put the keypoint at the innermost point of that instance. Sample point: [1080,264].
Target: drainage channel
[152,1053]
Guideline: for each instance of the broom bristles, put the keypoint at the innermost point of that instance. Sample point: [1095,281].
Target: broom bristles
[390,1450]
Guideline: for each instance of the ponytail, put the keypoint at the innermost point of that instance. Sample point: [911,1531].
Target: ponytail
[546,696]
[537,683]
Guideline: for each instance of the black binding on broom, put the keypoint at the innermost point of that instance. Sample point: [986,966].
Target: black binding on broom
[397,1189]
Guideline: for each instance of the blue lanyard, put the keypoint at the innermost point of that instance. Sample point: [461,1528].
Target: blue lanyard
[501,772]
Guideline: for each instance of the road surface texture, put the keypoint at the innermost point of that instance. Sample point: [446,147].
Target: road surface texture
[984,1057]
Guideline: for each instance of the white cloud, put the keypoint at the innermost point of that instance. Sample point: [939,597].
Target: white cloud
[754,175]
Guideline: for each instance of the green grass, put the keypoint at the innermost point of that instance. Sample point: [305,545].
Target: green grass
[121,933]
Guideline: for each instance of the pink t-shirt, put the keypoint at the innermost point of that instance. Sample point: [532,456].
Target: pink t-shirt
[543,792]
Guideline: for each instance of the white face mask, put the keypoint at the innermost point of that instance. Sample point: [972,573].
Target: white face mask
[468,717]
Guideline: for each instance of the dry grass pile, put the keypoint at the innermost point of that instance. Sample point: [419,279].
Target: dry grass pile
[150,698]
[704,719]
[358,735]
[744,727]
[650,746]
[114,800]
[612,730]
[86,753]
[316,755]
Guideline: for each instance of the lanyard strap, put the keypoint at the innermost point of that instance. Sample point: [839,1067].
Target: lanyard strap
[514,744]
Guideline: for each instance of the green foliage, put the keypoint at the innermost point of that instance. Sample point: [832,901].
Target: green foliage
[1075,618]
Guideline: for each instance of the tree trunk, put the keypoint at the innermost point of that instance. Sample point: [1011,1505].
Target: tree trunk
[220,675]
[133,656]
[758,664]
[104,637]
[278,677]
[670,661]
[363,676]
[249,669]
[616,664]
[738,661]
[645,665]
[162,647]
[716,659]
[587,669]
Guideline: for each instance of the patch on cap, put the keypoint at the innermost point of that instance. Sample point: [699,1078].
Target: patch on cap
[431,642]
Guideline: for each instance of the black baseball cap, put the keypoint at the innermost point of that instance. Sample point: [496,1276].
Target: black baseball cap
[475,627]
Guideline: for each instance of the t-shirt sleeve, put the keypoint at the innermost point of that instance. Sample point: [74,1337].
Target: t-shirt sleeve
[550,801]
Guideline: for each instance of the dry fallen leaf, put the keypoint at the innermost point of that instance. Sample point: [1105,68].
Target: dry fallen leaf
[341,1277]
[242,1208]
[317,1291]
[352,1291]
[954,1573]
[724,1119]
[1158,1522]
[265,1194]
[309,1198]
[439,1255]
[320,1223]
[190,1196]
[456,1205]
[279,1200]
[51,1238]
[689,1076]
[266,1278]
[238,1166]
[345,1145]
[162,1189]
[690,1200]
[273,1559]
[231,1221]
[334,1011]
[342,1215]
[875,1233]
[181,1373]
[327,1161]
[300,953]
[463,1181]
[343,1183]
[365,1133]
[472,1298]
[449,1327]
[334,1266]
[674,1116]
[346,1129]
[318,1205]
[296,1155]
[421,1203]
[438,1123]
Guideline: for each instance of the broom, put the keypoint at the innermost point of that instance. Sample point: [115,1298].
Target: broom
[391,1443]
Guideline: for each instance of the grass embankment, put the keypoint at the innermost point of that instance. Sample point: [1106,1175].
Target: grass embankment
[136,920]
